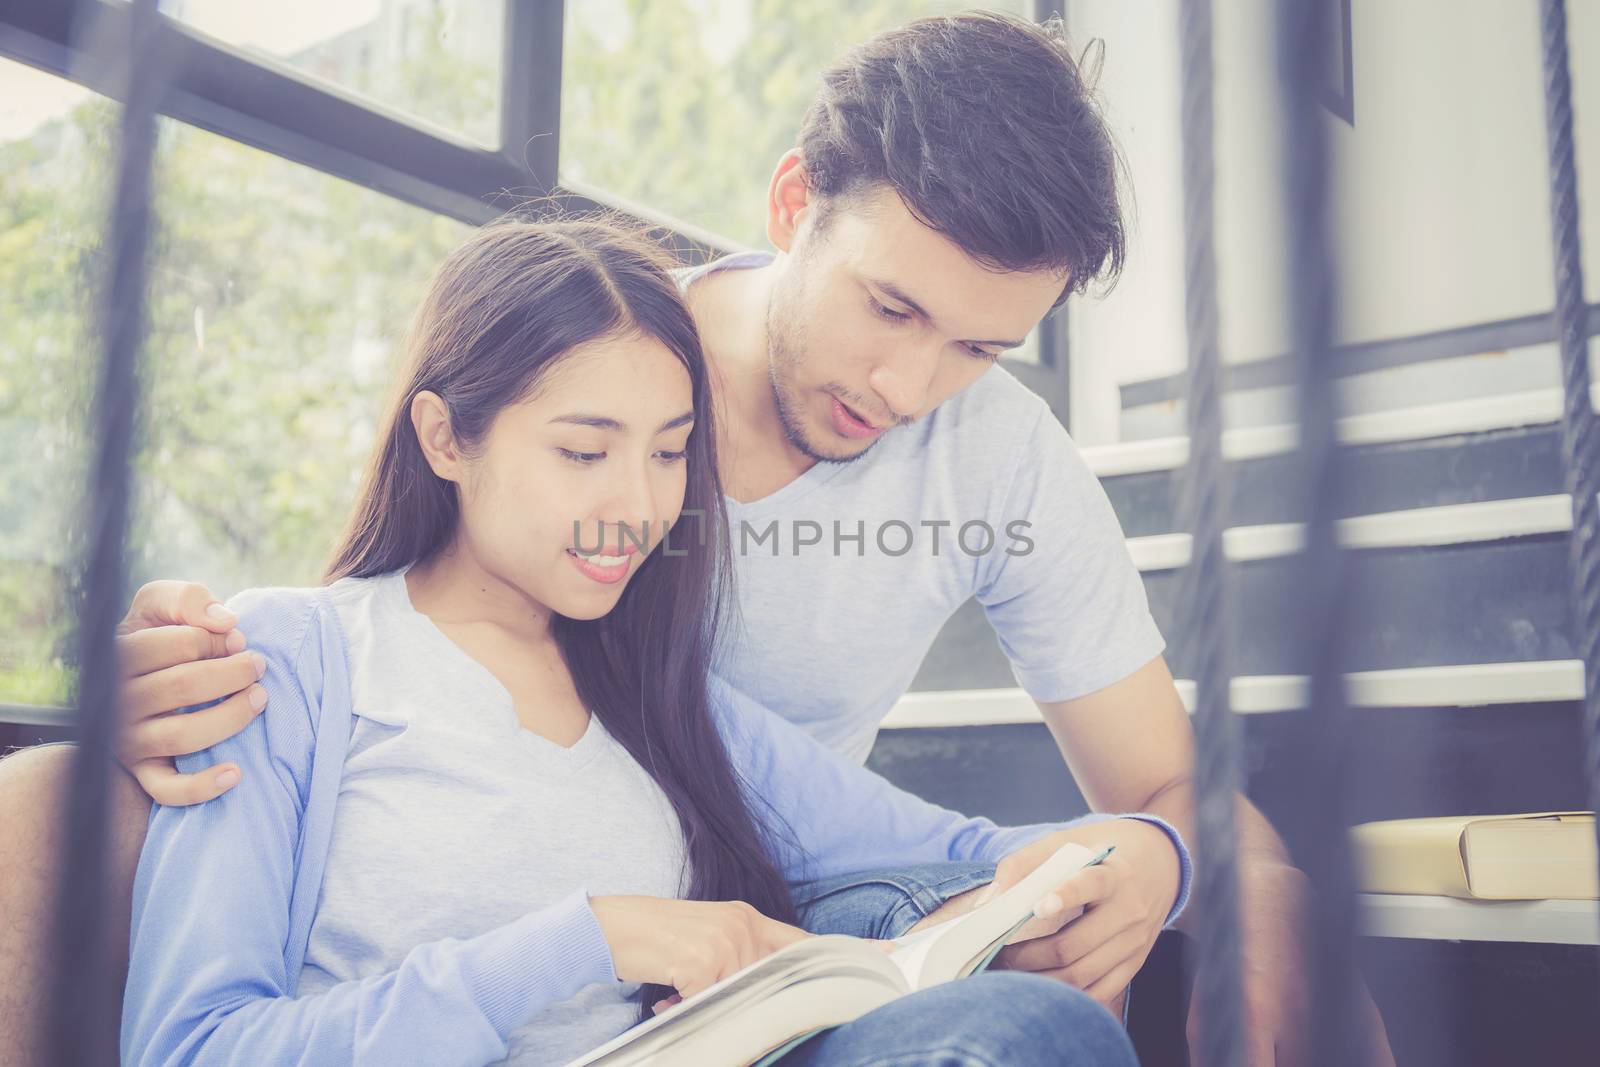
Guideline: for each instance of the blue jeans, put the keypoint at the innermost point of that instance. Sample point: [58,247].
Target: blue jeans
[886,903]
[995,1019]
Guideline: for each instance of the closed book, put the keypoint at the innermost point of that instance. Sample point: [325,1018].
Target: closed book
[1542,856]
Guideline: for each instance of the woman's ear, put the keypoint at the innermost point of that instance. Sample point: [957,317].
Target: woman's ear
[431,420]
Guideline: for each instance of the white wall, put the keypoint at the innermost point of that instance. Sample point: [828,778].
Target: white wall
[1441,207]
[1136,330]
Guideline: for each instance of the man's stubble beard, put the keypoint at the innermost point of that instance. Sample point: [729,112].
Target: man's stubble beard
[785,344]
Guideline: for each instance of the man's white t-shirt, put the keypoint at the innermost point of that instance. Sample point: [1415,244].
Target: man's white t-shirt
[844,577]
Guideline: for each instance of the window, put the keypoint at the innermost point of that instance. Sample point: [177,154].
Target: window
[54,148]
[438,60]
[686,105]
[277,295]
[278,292]
[278,298]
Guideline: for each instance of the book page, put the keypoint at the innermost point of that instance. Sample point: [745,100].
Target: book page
[800,963]
[913,949]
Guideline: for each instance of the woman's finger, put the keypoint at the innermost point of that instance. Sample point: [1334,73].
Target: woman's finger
[759,938]
[689,985]
[776,935]
[769,936]
[666,1002]
[177,734]
[161,780]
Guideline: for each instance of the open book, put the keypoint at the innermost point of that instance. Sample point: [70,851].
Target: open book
[765,1010]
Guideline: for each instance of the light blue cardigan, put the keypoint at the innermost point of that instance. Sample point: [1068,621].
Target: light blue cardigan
[226,891]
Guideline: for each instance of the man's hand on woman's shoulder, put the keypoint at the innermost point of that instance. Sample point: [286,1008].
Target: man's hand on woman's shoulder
[178,647]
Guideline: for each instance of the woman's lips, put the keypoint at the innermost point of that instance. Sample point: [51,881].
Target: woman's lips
[850,425]
[605,574]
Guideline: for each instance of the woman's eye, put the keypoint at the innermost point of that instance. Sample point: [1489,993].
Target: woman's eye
[673,457]
[582,457]
[982,353]
[887,313]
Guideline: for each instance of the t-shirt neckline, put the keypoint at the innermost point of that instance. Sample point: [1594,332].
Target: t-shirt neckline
[579,753]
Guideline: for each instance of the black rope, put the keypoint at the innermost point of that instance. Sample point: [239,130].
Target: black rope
[1320,577]
[1579,440]
[1203,507]
[85,990]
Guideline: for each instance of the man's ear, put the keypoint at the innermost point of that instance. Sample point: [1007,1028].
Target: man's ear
[788,199]
[431,420]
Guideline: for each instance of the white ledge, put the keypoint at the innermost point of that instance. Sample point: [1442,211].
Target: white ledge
[1446,524]
[1549,922]
[1455,686]
[1535,407]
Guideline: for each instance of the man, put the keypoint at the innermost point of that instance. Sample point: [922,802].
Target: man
[951,184]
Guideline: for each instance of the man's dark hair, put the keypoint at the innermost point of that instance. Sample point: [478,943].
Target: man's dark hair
[984,125]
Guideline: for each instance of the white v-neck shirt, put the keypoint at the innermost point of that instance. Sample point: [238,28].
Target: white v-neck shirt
[452,819]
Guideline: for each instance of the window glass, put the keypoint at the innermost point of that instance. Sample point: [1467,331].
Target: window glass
[276,297]
[438,60]
[684,106]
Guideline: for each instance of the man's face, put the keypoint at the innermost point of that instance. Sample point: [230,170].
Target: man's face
[877,320]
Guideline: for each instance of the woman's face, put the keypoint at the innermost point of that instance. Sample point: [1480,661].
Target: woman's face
[568,484]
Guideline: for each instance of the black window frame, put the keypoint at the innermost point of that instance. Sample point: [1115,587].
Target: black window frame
[306,120]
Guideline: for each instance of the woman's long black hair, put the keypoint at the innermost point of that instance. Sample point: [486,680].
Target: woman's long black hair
[500,312]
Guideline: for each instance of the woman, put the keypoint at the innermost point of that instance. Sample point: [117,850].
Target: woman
[491,809]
